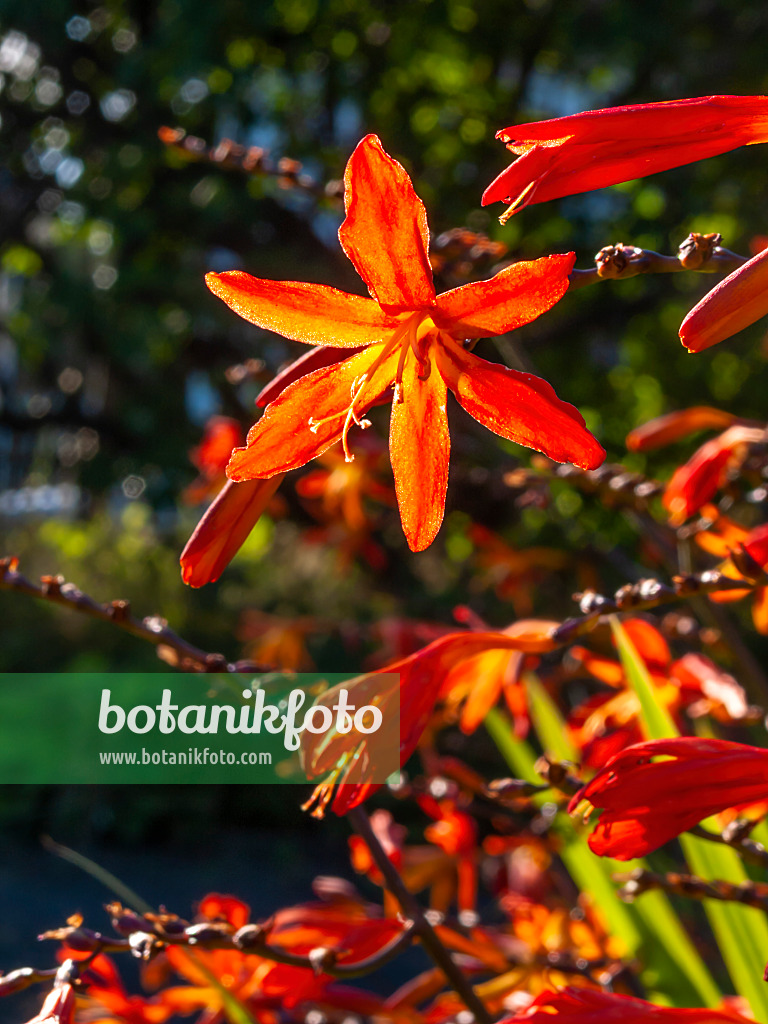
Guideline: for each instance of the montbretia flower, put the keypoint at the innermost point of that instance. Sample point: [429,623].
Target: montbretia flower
[593,1006]
[413,345]
[211,456]
[596,148]
[645,803]
[405,691]
[258,983]
[697,481]
[736,302]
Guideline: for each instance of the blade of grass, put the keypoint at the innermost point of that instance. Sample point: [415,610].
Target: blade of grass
[651,931]
[741,932]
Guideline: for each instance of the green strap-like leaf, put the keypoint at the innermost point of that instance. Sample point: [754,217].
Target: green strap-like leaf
[650,929]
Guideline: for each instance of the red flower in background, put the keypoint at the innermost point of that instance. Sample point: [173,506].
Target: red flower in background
[646,803]
[698,480]
[262,985]
[746,554]
[733,304]
[413,343]
[591,1006]
[606,723]
[211,456]
[596,148]
[455,832]
[673,426]
[408,702]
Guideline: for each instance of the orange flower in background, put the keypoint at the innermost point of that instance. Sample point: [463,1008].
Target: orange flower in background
[413,344]
[733,304]
[593,1006]
[727,540]
[698,480]
[220,436]
[407,701]
[646,803]
[514,571]
[338,496]
[606,723]
[341,487]
[277,641]
[673,426]
[595,148]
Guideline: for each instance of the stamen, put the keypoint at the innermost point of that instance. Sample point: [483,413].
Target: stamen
[515,205]
[408,327]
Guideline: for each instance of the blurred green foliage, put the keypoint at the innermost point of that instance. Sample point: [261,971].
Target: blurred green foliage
[113,353]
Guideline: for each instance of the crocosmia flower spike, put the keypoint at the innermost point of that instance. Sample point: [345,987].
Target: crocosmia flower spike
[413,346]
[602,147]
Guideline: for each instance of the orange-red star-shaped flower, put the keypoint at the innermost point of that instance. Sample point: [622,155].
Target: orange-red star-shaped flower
[412,343]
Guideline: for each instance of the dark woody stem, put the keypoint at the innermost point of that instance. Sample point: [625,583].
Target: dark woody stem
[751,894]
[748,849]
[172,648]
[412,909]
[701,253]
[644,595]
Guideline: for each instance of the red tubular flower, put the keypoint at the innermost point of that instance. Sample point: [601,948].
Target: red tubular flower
[733,304]
[596,148]
[591,1006]
[224,529]
[412,342]
[646,803]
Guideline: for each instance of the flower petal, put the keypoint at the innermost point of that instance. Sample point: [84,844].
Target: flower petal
[645,804]
[385,233]
[283,440]
[518,406]
[673,426]
[312,313]
[596,148]
[515,296]
[314,359]
[419,447]
[224,528]
[733,304]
